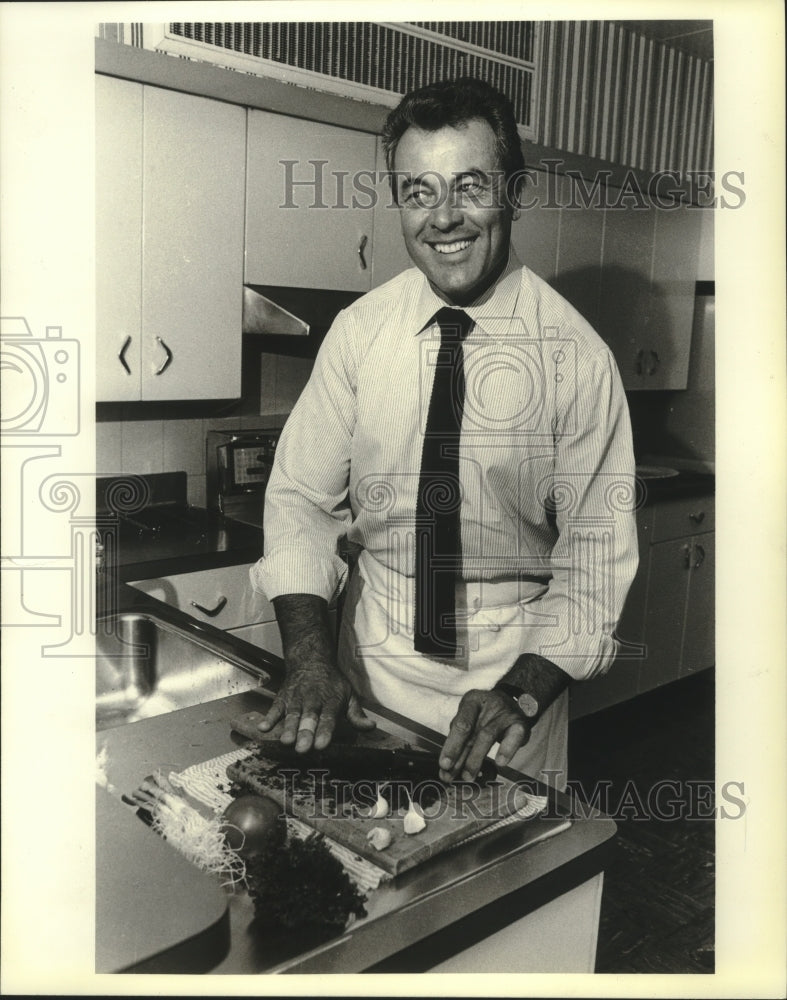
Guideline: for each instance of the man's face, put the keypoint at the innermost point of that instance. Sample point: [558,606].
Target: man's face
[455,218]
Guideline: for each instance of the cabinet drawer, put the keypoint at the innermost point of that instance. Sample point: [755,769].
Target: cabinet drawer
[679,518]
[223,597]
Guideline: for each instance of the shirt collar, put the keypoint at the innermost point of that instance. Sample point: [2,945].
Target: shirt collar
[492,312]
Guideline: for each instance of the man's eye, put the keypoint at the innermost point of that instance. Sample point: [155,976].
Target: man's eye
[471,186]
[419,198]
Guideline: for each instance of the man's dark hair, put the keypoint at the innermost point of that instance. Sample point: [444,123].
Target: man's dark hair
[456,102]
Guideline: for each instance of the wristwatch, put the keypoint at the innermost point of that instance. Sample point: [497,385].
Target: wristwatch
[526,702]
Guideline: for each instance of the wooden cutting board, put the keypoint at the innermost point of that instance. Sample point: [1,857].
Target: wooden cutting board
[452,812]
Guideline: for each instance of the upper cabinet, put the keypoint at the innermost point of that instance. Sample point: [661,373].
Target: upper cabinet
[646,304]
[309,204]
[169,206]
[118,238]
[581,238]
[534,234]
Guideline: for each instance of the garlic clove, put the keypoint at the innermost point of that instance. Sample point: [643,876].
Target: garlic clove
[379,838]
[381,808]
[414,820]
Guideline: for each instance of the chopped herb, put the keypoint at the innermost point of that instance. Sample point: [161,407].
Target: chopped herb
[301,884]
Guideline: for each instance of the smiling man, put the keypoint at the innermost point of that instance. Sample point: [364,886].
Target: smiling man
[466,432]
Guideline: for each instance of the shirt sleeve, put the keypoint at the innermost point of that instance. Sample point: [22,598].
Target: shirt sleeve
[306,500]
[592,498]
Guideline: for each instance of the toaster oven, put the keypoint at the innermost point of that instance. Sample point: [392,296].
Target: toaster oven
[238,464]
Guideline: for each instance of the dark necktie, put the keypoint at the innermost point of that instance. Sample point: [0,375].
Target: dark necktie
[437,527]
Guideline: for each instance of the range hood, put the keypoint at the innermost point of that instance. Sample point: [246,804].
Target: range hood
[284,320]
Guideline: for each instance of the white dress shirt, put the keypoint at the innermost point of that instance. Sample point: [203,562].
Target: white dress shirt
[546,461]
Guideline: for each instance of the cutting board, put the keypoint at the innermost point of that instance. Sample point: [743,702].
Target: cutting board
[453,812]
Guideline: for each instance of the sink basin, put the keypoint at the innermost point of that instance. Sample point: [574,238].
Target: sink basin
[146,667]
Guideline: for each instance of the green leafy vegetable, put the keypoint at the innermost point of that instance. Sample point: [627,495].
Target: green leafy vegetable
[301,884]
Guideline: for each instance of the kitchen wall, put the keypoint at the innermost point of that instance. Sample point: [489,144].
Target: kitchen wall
[170,437]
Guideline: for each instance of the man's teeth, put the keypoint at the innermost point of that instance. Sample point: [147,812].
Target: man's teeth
[452,247]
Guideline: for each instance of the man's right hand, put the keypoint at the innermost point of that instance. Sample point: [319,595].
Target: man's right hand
[314,696]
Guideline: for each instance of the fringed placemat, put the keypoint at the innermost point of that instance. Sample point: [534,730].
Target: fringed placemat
[208,784]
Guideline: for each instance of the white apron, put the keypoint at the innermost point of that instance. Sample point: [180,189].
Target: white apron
[376,653]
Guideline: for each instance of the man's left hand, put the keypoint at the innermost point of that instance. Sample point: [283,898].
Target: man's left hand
[483,719]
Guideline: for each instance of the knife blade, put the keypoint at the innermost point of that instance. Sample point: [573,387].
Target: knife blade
[360,762]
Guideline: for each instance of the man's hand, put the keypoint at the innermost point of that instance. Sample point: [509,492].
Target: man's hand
[483,718]
[314,696]
[487,717]
[311,701]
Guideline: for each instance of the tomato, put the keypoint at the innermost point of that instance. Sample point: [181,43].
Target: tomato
[253,822]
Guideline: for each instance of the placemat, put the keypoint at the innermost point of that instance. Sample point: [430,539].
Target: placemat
[208,784]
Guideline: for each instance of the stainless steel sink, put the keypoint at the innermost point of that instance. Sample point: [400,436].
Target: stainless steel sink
[147,667]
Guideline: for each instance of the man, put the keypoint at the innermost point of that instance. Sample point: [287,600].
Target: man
[467,431]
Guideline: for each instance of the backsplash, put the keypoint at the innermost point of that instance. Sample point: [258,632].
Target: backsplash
[170,437]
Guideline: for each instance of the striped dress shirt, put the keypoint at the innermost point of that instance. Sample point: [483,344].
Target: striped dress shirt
[546,460]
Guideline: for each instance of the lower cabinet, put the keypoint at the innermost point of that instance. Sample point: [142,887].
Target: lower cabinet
[680,605]
[699,629]
[223,597]
[667,628]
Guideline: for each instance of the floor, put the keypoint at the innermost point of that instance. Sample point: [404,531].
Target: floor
[657,913]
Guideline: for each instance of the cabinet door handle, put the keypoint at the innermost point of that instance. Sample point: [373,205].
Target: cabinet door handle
[700,556]
[122,355]
[687,556]
[699,517]
[361,248]
[211,613]
[166,361]
[655,360]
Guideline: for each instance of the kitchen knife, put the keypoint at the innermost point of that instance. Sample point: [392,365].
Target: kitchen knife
[357,763]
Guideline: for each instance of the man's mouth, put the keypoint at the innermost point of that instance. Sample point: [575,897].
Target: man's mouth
[448,248]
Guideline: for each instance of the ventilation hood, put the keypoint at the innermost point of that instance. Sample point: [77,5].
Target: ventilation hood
[286,320]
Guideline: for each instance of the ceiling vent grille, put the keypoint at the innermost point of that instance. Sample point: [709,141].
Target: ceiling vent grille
[373,61]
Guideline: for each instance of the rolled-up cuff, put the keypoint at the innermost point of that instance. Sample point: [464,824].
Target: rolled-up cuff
[581,657]
[298,573]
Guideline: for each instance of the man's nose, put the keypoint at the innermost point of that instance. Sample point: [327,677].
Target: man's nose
[447,214]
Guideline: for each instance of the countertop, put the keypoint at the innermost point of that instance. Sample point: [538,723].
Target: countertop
[505,871]
[440,907]
[223,542]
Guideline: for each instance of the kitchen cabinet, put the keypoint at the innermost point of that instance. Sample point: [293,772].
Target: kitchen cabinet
[118,238]
[580,243]
[223,596]
[679,620]
[667,628]
[622,680]
[169,202]
[646,304]
[698,651]
[534,234]
[309,204]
